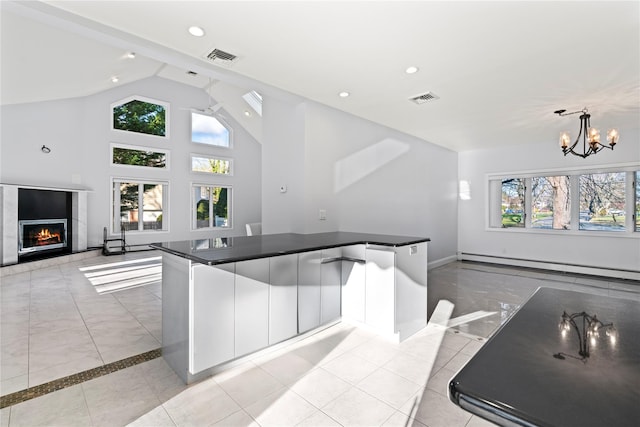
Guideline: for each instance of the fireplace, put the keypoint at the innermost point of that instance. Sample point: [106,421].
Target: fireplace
[41,235]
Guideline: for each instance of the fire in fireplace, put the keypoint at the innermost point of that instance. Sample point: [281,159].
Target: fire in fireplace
[42,234]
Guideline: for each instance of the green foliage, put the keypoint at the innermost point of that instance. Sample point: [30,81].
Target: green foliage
[202,210]
[141,117]
[125,156]
[221,206]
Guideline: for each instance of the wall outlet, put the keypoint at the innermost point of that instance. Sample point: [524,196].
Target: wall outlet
[322,214]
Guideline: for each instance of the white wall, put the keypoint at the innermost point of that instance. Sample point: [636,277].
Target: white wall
[593,249]
[367,177]
[78,131]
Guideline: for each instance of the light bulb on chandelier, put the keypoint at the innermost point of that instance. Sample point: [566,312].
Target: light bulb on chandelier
[590,136]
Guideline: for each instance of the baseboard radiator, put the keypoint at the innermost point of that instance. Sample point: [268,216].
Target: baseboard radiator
[553,266]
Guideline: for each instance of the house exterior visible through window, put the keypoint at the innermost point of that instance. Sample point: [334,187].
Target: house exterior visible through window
[210,130]
[139,206]
[580,200]
[211,206]
[513,202]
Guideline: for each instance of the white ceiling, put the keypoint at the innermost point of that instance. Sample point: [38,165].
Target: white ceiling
[500,68]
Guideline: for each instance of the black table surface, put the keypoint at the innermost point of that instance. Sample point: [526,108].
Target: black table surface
[222,250]
[516,375]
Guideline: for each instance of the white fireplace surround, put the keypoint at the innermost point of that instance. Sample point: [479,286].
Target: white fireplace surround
[9,222]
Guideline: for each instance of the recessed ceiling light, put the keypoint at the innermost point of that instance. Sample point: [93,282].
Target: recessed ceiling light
[247,113]
[411,70]
[131,55]
[344,94]
[196,31]
[114,79]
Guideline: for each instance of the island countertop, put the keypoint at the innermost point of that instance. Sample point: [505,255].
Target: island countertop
[221,250]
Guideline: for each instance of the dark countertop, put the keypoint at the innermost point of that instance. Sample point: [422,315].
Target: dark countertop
[515,374]
[221,250]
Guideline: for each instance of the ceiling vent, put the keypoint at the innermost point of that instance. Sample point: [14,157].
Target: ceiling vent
[425,97]
[220,57]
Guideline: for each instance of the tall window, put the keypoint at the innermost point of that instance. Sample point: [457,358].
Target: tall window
[138,206]
[602,201]
[209,130]
[513,202]
[551,202]
[211,206]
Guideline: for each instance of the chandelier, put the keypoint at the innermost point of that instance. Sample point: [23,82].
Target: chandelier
[590,136]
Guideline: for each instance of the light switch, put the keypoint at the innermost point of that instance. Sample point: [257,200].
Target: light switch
[322,214]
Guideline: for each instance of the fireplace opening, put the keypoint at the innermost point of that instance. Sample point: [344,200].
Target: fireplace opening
[42,235]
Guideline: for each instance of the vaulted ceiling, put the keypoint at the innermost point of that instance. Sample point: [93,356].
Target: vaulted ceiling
[498,70]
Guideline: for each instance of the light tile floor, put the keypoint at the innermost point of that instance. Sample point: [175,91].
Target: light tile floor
[343,375]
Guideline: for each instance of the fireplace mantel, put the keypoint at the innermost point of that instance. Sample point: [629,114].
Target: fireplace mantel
[9,222]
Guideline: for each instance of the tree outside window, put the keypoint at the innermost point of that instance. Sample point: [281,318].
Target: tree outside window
[211,199]
[602,201]
[138,206]
[141,117]
[551,202]
[513,202]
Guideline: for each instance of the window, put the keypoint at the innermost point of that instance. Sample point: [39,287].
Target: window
[141,115]
[550,202]
[139,156]
[602,201]
[138,206]
[211,206]
[209,130]
[206,164]
[513,202]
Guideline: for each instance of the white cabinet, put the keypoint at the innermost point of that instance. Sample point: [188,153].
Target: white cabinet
[212,299]
[309,290]
[330,281]
[353,282]
[251,306]
[380,289]
[283,297]
[396,289]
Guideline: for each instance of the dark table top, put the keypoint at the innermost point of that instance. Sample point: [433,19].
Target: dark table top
[222,250]
[516,378]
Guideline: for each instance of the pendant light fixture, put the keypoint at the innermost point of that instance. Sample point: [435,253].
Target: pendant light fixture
[590,136]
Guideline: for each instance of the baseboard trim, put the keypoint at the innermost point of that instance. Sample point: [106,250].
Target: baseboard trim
[442,261]
[553,266]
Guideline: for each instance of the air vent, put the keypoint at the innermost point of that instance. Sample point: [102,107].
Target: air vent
[222,57]
[425,97]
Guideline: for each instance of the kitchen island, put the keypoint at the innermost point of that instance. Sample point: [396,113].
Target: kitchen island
[229,297]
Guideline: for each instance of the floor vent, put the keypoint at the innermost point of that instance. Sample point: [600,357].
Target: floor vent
[425,97]
[221,57]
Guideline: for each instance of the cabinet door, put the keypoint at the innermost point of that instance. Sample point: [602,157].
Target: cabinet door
[380,290]
[353,282]
[411,289]
[308,290]
[330,281]
[251,306]
[213,316]
[283,299]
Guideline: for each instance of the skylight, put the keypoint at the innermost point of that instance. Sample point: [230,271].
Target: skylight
[254,99]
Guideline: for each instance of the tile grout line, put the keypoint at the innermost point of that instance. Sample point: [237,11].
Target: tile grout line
[75,379]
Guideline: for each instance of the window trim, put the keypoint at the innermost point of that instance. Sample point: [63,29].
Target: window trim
[211,157]
[167,116]
[139,181]
[222,121]
[167,154]
[628,168]
[193,209]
